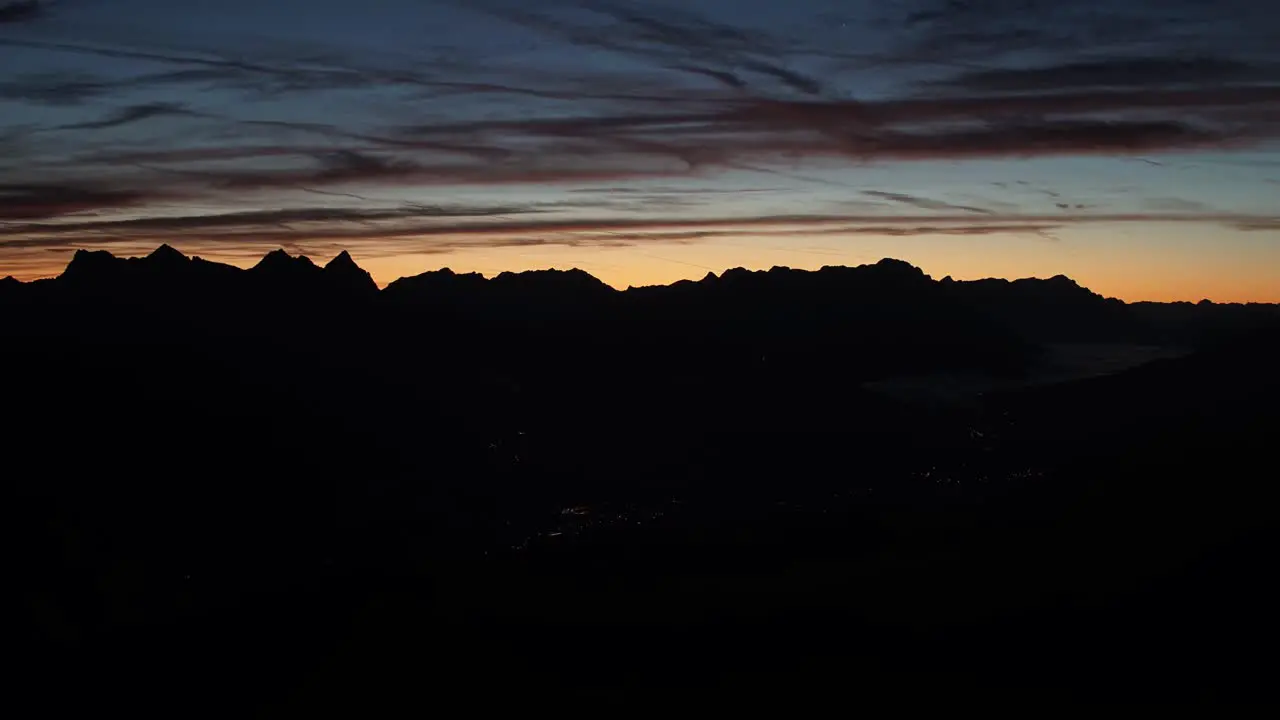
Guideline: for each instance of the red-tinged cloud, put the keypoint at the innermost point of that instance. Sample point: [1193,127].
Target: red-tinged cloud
[41,202]
[495,224]
[597,152]
[731,134]
[1259,225]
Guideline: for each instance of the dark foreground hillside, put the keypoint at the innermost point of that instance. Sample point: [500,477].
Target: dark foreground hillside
[282,490]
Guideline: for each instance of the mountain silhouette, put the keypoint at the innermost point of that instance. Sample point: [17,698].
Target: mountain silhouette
[1055,308]
[167,258]
[1023,302]
[832,310]
[89,266]
[281,484]
[282,267]
[872,321]
[434,286]
[343,273]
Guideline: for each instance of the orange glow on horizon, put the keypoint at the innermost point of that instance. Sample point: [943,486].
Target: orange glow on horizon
[1168,264]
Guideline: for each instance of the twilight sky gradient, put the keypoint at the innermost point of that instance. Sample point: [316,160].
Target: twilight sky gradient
[1130,145]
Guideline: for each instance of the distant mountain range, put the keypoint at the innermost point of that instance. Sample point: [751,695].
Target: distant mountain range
[168,271]
[891,298]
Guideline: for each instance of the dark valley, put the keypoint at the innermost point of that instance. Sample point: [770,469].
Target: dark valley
[284,489]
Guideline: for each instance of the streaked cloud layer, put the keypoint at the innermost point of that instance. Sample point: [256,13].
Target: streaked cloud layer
[421,128]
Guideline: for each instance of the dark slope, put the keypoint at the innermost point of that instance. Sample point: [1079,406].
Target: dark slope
[345,276]
[263,486]
[1125,566]
[1052,310]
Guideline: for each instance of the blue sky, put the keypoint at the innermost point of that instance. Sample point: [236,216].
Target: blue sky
[1129,145]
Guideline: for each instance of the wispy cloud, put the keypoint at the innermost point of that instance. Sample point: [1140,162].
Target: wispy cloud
[32,251]
[20,11]
[1173,204]
[924,203]
[1111,73]
[603,148]
[55,88]
[131,114]
[1259,225]
[502,224]
[690,97]
[272,218]
[40,202]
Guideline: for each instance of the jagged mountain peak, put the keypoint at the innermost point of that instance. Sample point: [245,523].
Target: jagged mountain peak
[342,261]
[166,254]
[280,260]
[343,270]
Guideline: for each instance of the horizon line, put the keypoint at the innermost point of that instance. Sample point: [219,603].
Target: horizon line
[383,286]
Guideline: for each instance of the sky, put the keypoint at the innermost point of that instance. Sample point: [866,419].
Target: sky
[1129,145]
